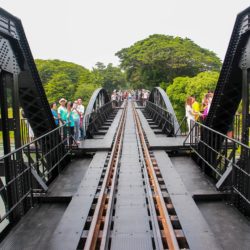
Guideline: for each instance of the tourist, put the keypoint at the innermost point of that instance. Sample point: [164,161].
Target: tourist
[210,99]
[196,108]
[205,106]
[80,109]
[70,123]
[54,113]
[129,96]
[62,111]
[62,116]
[144,97]
[76,118]
[190,115]
[211,93]
[113,99]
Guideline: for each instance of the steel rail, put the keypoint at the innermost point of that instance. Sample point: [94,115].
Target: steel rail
[168,230]
[92,238]
[155,225]
[108,217]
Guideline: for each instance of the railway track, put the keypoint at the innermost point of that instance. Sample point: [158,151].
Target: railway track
[132,208]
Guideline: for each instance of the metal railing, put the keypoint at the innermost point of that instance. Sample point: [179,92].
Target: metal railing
[29,169]
[224,159]
[183,128]
[162,117]
[95,119]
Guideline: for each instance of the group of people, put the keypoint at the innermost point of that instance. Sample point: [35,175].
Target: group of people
[195,111]
[142,95]
[71,114]
[136,95]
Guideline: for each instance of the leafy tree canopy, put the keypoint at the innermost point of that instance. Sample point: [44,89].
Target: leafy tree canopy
[72,81]
[48,68]
[66,79]
[158,59]
[183,87]
[111,77]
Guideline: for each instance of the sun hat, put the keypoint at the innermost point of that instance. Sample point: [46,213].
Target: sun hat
[62,100]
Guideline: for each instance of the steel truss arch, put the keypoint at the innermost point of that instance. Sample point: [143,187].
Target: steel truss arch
[99,105]
[160,98]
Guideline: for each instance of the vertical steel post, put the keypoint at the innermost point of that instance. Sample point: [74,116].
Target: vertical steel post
[245,158]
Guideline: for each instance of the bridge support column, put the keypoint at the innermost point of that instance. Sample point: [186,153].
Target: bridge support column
[245,157]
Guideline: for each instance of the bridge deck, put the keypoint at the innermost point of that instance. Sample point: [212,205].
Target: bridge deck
[69,230]
[68,181]
[160,141]
[105,143]
[202,237]
[131,222]
[210,223]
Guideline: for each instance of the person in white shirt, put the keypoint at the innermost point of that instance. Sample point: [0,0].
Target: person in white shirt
[190,114]
[80,109]
[113,99]
[144,97]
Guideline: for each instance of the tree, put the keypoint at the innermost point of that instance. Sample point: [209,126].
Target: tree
[111,77]
[48,68]
[66,79]
[183,87]
[85,92]
[60,85]
[161,58]
[88,83]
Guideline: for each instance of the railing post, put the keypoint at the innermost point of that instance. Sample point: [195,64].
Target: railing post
[30,176]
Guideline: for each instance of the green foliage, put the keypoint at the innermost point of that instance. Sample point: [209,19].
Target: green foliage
[48,68]
[161,58]
[71,81]
[60,85]
[89,82]
[61,79]
[183,87]
[111,77]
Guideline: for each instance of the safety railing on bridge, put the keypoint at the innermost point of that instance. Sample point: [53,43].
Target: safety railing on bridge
[225,159]
[235,132]
[162,117]
[29,169]
[95,119]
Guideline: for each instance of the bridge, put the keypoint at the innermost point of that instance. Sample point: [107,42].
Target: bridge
[139,180]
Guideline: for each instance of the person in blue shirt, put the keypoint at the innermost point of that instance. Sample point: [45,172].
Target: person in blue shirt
[54,112]
[76,117]
[70,122]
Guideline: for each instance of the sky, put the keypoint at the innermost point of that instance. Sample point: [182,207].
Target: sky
[88,31]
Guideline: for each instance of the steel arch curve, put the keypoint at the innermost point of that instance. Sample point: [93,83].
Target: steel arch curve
[99,99]
[160,98]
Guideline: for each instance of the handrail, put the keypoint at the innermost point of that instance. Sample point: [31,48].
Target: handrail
[219,133]
[156,112]
[30,168]
[33,141]
[224,159]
